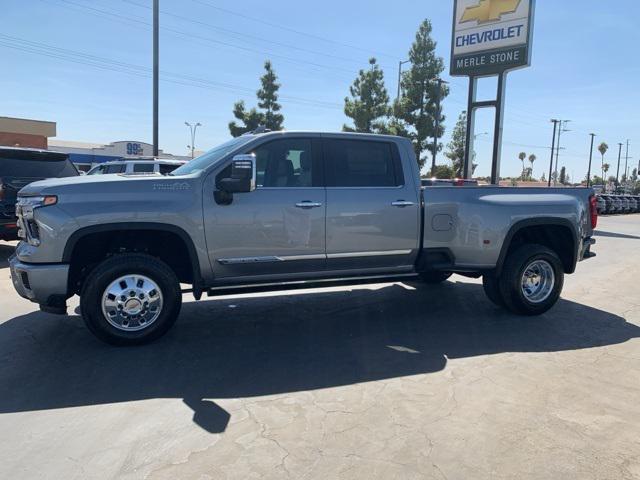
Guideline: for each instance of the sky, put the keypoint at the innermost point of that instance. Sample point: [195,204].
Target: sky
[86,64]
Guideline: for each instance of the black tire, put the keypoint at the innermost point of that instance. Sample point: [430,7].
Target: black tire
[433,278]
[510,281]
[112,269]
[492,289]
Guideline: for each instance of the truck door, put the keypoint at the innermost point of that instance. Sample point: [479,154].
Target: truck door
[373,206]
[280,227]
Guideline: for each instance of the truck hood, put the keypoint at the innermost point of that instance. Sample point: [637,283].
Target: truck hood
[92,184]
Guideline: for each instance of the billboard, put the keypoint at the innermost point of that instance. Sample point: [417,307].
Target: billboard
[491,36]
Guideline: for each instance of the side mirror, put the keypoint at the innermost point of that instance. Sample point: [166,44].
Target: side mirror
[243,175]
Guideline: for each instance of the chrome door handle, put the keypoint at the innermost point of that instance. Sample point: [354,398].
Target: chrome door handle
[307,205]
[402,204]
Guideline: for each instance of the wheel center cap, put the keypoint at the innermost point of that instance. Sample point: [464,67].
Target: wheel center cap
[133,306]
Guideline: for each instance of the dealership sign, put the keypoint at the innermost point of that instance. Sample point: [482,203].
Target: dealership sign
[491,36]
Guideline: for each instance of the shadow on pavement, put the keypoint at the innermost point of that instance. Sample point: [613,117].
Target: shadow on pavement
[245,347]
[615,235]
[5,252]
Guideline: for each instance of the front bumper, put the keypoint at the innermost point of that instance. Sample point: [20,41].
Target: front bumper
[44,284]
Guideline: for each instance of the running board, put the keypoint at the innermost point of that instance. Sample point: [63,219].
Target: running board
[306,284]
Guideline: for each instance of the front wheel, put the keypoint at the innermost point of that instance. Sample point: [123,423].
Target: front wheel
[130,299]
[532,279]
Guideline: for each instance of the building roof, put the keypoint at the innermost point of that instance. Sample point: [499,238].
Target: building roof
[72,144]
[27,126]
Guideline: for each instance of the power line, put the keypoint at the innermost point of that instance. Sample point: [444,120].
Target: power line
[29,46]
[292,30]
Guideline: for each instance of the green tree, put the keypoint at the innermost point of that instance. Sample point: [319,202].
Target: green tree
[268,99]
[369,102]
[532,160]
[522,156]
[603,148]
[605,169]
[563,176]
[444,172]
[249,120]
[456,146]
[417,107]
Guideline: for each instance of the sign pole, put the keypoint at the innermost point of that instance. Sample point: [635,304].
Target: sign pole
[467,171]
[156,73]
[497,134]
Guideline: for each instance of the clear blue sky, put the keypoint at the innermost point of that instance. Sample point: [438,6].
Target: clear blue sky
[585,68]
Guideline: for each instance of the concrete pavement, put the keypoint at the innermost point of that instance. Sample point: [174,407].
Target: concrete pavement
[382,381]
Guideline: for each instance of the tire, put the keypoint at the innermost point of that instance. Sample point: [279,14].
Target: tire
[130,299]
[545,267]
[434,278]
[492,289]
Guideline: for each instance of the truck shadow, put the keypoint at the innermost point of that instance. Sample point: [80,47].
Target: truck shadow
[247,347]
[6,250]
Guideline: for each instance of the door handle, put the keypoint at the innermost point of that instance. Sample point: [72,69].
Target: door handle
[307,205]
[402,204]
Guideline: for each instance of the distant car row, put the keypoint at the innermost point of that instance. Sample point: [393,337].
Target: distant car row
[22,166]
[618,204]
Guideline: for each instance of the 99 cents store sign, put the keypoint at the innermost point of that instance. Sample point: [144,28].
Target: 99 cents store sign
[491,36]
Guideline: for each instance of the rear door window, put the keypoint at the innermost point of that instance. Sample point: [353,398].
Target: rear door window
[115,168]
[358,163]
[143,167]
[36,168]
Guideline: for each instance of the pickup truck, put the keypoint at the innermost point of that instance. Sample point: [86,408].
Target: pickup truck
[286,210]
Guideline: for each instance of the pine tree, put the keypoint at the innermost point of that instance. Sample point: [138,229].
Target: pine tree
[456,146]
[369,102]
[418,104]
[268,96]
[563,176]
[268,101]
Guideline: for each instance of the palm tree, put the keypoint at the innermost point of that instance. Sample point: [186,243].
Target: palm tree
[603,148]
[532,159]
[522,157]
[605,169]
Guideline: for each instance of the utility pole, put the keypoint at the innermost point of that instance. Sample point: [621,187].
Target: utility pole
[593,136]
[563,129]
[626,163]
[192,129]
[618,171]
[437,126]
[156,73]
[553,149]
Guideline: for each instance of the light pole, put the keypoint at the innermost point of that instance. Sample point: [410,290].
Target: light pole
[593,136]
[553,148]
[400,63]
[563,129]
[156,73]
[192,129]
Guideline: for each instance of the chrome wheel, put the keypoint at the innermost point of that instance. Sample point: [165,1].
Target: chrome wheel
[538,281]
[132,303]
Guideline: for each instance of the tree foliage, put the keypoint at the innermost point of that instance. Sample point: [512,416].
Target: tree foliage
[417,106]
[369,102]
[268,116]
[456,147]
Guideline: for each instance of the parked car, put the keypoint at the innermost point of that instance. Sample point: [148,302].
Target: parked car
[139,166]
[633,204]
[626,206]
[609,204]
[637,199]
[287,210]
[602,205]
[19,167]
[617,204]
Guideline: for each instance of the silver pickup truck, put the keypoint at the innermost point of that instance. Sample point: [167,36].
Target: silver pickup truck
[286,210]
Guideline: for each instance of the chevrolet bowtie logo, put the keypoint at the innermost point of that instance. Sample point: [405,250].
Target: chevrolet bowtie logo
[489,10]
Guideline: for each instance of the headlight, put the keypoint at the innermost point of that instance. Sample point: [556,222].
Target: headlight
[25,209]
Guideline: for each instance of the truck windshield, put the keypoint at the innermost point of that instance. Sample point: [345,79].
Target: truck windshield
[212,156]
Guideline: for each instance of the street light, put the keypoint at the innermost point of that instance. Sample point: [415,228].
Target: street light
[192,129]
[475,137]
[400,75]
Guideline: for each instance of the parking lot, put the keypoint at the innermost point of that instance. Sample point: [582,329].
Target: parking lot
[392,380]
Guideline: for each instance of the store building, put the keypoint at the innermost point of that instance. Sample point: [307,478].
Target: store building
[25,133]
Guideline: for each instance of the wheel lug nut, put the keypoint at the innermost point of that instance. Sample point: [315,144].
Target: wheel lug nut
[132,293]
[123,298]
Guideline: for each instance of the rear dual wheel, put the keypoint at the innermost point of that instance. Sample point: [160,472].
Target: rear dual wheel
[530,283]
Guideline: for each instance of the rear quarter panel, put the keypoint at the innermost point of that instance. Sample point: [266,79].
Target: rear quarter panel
[473,223]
